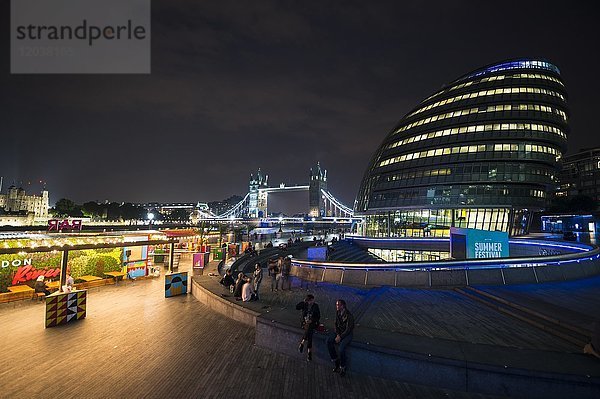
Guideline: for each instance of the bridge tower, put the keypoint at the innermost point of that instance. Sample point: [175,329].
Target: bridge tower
[318,182]
[257,200]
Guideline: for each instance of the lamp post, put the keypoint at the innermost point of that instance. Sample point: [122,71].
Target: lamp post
[150,216]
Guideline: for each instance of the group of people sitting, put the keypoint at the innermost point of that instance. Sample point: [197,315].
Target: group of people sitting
[40,285]
[244,288]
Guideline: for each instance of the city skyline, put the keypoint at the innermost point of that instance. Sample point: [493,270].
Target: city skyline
[237,87]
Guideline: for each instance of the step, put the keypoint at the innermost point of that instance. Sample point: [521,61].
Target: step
[569,335]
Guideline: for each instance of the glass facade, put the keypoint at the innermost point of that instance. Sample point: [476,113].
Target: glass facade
[406,255]
[483,152]
[580,174]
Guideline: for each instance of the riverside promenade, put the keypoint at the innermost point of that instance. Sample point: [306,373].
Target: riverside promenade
[135,343]
[517,341]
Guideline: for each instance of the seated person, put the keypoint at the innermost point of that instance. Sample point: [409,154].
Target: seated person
[69,283]
[40,286]
[227,279]
[239,283]
[247,291]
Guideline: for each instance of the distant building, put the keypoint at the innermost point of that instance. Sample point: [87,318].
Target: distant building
[167,209]
[257,201]
[19,209]
[483,152]
[220,207]
[17,201]
[317,182]
[580,174]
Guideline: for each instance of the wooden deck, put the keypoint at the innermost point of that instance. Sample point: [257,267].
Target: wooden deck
[135,343]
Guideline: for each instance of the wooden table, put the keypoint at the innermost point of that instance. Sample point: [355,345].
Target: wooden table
[53,285]
[20,288]
[115,275]
[89,278]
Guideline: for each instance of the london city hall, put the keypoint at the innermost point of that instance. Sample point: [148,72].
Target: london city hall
[483,152]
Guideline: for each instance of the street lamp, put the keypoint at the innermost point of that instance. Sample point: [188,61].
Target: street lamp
[150,216]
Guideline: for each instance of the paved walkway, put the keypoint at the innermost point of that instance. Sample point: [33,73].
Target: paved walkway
[134,343]
[433,313]
[576,302]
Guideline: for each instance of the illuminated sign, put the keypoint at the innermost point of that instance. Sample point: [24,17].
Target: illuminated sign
[478,244]
[16,262]
[488,250]
[317,253]
[28,273]
[65,224]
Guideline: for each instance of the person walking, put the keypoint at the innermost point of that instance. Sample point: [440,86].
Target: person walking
[286,268]
[310,321]
[273,272]
[343,334]
[257,279]
[278,279]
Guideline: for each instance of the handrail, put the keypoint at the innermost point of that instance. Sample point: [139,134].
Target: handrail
[586,252]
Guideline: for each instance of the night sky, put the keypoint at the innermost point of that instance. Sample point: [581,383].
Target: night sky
[238,85]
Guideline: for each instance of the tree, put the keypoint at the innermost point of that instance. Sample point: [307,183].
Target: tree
[65,207]
[129,211]
[92,209]
[113,211]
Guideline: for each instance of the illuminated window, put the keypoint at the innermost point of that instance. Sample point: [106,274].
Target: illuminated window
[527,127]
[484,93]
[472,149]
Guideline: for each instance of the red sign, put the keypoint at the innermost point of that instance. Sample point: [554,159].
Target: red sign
[27,273]
[65,224]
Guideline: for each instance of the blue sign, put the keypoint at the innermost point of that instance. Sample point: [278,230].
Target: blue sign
[478,244]
[317,253]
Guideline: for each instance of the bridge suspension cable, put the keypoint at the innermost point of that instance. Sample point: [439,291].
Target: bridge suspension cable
[343,209]
[237,210]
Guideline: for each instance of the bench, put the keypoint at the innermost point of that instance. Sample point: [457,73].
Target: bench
[7,297]
[39,296]
[94,283]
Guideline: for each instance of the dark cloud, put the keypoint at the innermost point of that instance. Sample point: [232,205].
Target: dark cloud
[273,84]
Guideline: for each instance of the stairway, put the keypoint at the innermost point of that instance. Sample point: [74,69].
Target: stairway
[576,335]
[345,251]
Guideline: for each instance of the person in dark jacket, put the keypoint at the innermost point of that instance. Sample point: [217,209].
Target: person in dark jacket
[343,334]
[239,283]
[40,286]
[310,321]
[227,279]
[257,279]
[273,272]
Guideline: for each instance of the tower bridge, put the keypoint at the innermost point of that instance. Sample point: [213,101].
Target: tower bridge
[321,202]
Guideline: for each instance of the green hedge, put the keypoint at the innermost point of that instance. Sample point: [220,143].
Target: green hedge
[93,262]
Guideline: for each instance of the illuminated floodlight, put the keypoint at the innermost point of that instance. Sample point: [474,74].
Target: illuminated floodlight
[281,218]
[150,216]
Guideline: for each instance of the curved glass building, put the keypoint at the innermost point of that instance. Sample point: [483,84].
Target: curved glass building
[483,152]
